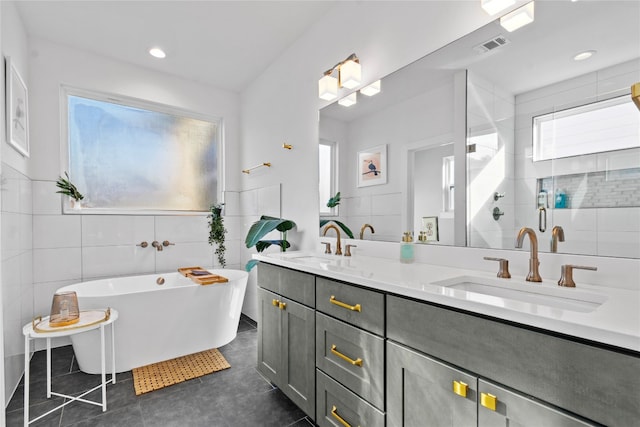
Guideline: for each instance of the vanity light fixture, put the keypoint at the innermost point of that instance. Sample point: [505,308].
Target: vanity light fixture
[518,18]
[494,6]
[156,52]
[584,55]
[372,89]
[349,76]
[348,100]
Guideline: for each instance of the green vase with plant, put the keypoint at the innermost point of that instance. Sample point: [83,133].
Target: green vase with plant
[262,227]
[217,232]
[69,189]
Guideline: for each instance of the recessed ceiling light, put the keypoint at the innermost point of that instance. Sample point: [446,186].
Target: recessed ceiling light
[156,52]
[584,55]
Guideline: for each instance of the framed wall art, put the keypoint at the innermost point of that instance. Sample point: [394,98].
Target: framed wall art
[430,228]
[17,109]
[372,166]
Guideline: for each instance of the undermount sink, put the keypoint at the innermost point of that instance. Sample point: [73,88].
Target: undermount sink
[501,291]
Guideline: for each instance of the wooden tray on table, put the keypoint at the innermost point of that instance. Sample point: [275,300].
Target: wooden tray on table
[200,276]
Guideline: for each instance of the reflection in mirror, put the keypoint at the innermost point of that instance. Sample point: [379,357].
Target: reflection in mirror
[544,140]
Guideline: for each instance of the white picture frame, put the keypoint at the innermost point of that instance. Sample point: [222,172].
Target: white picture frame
[372,166]
[17,105]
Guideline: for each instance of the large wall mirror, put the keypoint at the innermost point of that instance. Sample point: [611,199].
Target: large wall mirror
[497,131]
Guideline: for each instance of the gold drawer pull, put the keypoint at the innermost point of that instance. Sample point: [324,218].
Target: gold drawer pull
[334,413]
[334,301]
[357,362]
[488,400]
[460,388]
[275,302]
[282,305]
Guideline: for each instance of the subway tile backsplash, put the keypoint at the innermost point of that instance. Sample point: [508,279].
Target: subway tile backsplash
[604,189]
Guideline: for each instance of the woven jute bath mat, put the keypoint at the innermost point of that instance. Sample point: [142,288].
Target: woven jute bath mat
[163,374]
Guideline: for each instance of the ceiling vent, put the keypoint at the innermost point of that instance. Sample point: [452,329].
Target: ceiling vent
[491,44]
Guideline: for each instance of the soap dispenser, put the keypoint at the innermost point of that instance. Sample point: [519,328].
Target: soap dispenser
[406,247]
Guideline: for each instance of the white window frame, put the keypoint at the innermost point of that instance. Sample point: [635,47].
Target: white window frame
[333,180]
[538,121]
[66,91]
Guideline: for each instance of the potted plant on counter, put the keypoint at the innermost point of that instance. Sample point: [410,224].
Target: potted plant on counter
[69,189]
[217,232]
[262,227]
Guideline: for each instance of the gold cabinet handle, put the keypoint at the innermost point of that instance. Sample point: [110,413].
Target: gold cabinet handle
[488,400]
[282,305]
[334,301]
[357,362]
[334,414]
[275,302]
[460,388]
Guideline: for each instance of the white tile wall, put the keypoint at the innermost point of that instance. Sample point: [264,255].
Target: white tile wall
[51,265]
[178,229]
[45,199]
[56,231]
[185,254]
[109,230]
[105,261]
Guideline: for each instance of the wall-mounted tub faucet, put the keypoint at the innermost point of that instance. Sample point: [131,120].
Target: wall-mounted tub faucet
[157,245]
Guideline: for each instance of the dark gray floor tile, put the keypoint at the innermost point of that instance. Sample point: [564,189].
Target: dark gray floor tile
[305,422]
[270,409]
[241,357]
[190,406]
[245,326]
[119,396]
[61,362]
[15,418]
[239,382]
[163,393]
[130,416]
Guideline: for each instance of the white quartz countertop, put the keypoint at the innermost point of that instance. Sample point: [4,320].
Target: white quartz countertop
[596,313]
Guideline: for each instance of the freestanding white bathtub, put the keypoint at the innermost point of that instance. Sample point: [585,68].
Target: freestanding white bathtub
[159,322]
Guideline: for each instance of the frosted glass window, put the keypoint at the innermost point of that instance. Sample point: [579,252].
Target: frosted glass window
[603,126]
[132,158]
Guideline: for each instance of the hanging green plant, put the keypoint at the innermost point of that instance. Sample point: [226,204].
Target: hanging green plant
[217,232]
[67,188]
[262,227]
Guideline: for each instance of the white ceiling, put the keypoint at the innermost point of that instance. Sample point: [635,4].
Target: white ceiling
[226,44]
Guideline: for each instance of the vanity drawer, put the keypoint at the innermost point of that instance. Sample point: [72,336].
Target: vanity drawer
[353,356]
[337,406]
[292,284]
[360,307]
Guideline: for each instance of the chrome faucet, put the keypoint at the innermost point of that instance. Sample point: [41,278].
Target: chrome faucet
[364,227]
[557,234]
[534,274]
[157,245]
[338,246]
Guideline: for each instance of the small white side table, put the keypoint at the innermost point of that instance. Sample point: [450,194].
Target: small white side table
[31,334]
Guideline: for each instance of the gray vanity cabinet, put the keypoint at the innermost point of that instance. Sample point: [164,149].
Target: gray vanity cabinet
[286,344]
[513,409]
[423,392]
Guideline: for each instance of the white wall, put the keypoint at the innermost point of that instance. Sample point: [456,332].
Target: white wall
[79,247]
[282,104]
[593,231]
[16,214]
